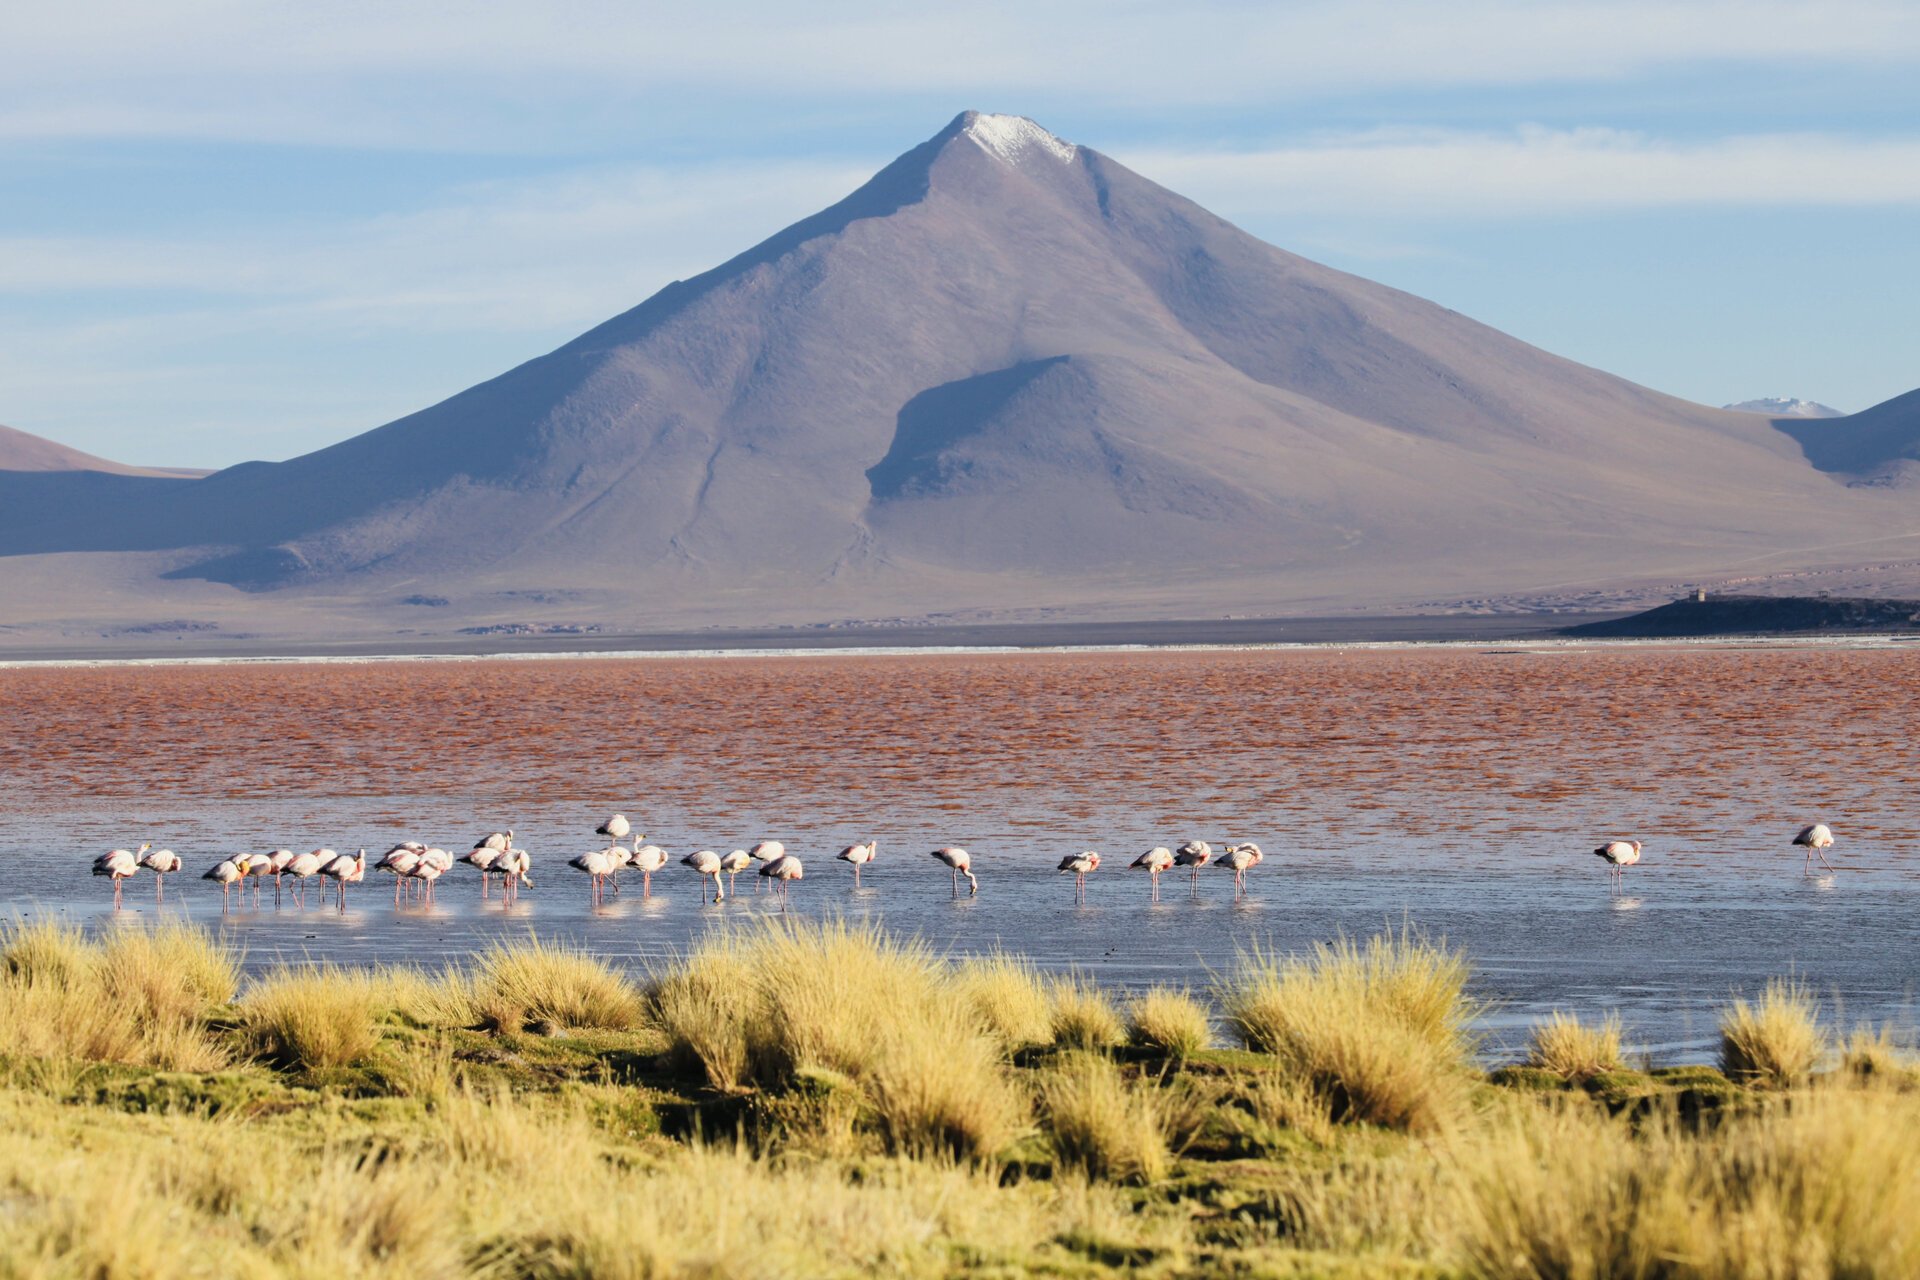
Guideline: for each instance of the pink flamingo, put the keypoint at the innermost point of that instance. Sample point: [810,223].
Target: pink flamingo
[163,863]
[1193,855]
[1241,858]
[960,862]
[1082,865]
[118,865]
[1619,855]
[783,871]
[859,855]
[1817,838]
[707,863]
[1155,860]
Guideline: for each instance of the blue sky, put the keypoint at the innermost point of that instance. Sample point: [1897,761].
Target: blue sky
[236,229]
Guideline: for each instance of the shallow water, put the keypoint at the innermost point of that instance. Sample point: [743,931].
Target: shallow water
[1456,790]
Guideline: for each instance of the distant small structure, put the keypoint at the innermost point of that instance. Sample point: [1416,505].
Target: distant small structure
[1699,595]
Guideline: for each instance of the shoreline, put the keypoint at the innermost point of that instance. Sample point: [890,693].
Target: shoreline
[1529,632]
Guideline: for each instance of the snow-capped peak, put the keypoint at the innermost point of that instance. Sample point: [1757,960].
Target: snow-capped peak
[1013,138]
[1787,407]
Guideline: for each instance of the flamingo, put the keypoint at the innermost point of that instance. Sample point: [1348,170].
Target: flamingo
[649,858]
[598,863]
[960,863]
[733,864]
[485,860]
[707,863]
[426,873]
[258,866]
[225,873]
[622,859]
[1155,860]
[344,871]
[1081,864]
[439,859]
[859,855]
[766,851]
[614,828]
[501,840]
[118,865]
[1817,838]
[400,861]
[1619,855]
[783,870]
[516,865]
[1193,855]
[303,865]
[163,863]
[1242,858]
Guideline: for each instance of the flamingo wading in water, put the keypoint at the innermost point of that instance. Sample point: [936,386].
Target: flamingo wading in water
[1619,855]
[707,863]
[1242,858]
[733,864]
[163,863]
[118,865]
[1817,838]
[1155,860]
[225,874]
[599,864]
[344,871]
[859,855]
[515,868]
[647,859]
[1081,865]
[961,864]
[765,851]
[783,871]
[1193,855]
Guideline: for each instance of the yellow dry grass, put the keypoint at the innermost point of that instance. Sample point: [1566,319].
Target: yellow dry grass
[1084,1016]
[1007,996]
[1381,1031]
[1776,1040]
[1098,1124]
[1169,1022]
[312,1018]
[1573,1050]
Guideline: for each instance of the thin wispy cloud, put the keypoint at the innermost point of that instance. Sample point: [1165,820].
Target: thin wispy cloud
[364,74]
[1533,171]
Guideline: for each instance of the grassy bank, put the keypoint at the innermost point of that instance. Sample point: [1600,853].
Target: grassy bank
[805,1100]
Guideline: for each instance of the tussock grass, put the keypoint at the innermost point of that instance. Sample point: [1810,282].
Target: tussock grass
[1084,1016]
[706,1007]
[1008,997]
[1874,1053]
[832,1000]
[517,982]
[312,1018]
[1776,1040]
[1824,1186]
[1169,1022]
[1571,1049]
[140,998]
[48,951]
[1381,1031]
[1099,1125]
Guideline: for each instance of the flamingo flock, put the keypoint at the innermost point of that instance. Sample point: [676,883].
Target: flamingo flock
[416,868]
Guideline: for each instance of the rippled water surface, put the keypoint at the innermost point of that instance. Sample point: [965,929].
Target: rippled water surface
[1455,789]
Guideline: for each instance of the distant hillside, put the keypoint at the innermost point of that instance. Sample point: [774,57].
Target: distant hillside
[1758,615]
[1776,407]
[20,451]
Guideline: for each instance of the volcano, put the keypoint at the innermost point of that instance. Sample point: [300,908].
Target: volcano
[1007,377]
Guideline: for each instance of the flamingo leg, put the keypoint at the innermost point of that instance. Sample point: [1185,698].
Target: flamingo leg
[646,884]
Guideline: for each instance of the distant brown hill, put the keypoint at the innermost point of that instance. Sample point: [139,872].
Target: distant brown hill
[1006,378]
[20,451]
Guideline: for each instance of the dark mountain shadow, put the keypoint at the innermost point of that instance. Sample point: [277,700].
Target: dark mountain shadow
[1859,443]
[939,418]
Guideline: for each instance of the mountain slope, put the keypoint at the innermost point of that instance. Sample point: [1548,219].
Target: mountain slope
[20,451]
[1006,374]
